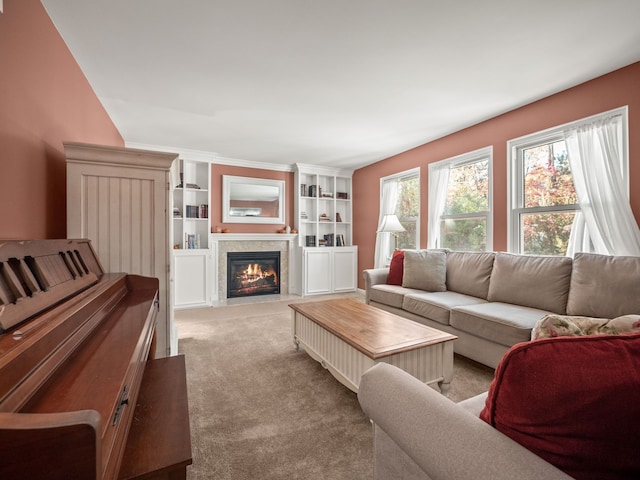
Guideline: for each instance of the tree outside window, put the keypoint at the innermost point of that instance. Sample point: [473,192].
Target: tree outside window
[408,211]
[464,222]
[549,199]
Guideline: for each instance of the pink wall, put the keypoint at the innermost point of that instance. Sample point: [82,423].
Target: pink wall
[45,100]
[217,171]
[619,88]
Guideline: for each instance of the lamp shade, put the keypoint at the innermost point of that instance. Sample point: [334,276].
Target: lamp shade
[390,223]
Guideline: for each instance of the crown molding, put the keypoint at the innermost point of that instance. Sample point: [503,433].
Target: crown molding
[212,157]
[322,170]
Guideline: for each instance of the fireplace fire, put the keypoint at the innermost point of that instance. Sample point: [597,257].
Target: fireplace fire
[253,273]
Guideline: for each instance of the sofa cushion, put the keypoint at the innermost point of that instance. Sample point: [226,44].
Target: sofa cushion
[391,295]
[531,281]
[604,286]
[573,325]
[574,401]
[502,323]
[437,305]
[469,272]
[396,268]
[425,270]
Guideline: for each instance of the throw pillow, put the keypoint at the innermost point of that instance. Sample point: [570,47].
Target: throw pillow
[571,325]
[574,401]
[425,270]
[396,268]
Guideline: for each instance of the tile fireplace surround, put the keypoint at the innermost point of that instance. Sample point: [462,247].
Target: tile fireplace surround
[221,243]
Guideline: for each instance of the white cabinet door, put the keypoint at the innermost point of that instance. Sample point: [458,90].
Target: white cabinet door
[329,270]
[317,271]
[191,278]
[345,262]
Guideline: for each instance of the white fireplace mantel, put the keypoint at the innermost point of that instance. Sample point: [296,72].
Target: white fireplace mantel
[235,237]
[243,242]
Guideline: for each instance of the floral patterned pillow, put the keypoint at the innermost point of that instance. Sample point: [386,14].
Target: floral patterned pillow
[572,325]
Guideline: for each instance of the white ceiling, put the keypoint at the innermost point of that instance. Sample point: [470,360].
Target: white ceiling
[341,83]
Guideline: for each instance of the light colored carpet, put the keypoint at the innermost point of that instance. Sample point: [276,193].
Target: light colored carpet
[260,409]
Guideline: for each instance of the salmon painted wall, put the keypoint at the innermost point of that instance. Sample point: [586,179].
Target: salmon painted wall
[215,209]
[45,100]
[616,89]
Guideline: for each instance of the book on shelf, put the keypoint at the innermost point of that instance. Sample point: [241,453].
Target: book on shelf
[191,211]
[197,211]
[191,241]
[314,191]
[303,189]
[329,239]
[342,195]
[204,210]
[340,240]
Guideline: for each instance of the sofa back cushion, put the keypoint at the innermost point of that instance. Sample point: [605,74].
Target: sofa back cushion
[531,281]
[574,401]
[425,270]
[604,286]
[469,272]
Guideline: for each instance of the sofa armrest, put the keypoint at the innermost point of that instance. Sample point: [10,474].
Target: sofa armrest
[442,438]
[374,276]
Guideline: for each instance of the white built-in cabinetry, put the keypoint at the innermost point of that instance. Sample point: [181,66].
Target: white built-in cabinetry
[324,222]
[191,226]
[191,197]
[329,270]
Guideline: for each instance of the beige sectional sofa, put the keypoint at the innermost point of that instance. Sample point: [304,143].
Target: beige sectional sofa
[561,406]
[422,435]
[492,300]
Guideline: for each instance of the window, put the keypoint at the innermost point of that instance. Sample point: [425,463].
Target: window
[399,195]
[544,205]
[408,211]
[547,203]
[460,206]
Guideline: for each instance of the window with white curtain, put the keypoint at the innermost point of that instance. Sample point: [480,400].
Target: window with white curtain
[399,195]
[569,189]
[460,202]
[545,202]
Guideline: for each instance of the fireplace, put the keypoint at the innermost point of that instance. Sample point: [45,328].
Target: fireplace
[253,273]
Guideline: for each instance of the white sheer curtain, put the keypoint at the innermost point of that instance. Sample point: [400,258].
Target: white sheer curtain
[390,189]
[438,183]
[606,223]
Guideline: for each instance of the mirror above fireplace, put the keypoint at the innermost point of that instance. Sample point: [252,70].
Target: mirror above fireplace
[252,200]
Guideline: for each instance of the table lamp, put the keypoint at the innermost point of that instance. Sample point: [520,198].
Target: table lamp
[391,224]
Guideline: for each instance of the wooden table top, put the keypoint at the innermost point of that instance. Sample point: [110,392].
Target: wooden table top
[374,332]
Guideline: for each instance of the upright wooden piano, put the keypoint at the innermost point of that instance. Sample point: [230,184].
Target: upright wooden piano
[81,394]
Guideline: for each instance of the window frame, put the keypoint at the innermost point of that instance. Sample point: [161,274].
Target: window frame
[485,153]
[515,183]
[400,176]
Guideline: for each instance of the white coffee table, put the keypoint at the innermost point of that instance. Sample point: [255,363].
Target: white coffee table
[348,337]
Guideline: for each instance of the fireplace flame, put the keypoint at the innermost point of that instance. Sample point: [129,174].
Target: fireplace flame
[254,273]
